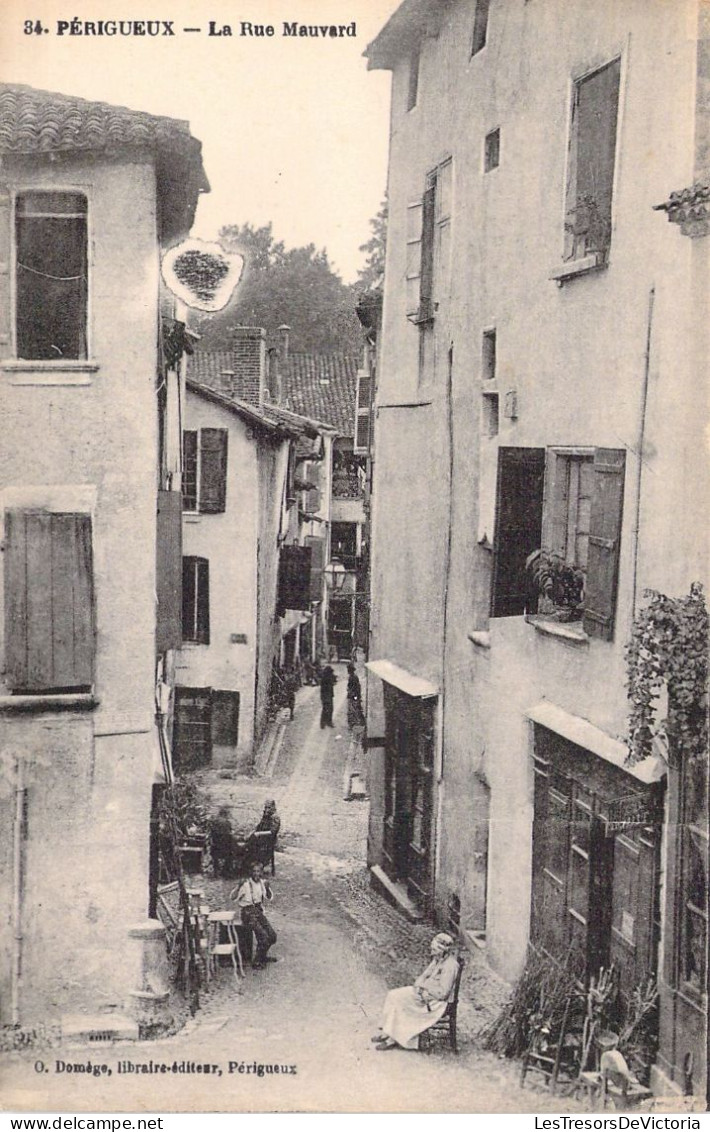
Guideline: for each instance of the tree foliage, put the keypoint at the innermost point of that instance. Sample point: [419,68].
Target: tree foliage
[296,286]
[374,250]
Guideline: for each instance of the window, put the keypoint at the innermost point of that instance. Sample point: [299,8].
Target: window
[480,26]
[362,416]
[590,170]
[294,588]
[491,151]
[490,409]
[488,355]
[51,276]
[413,78]
[569,506]
[204,476]
[343,544]
[49,602]
[429,245]
[582,520]
[196,600]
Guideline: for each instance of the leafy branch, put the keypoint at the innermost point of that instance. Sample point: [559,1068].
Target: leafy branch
[669,650]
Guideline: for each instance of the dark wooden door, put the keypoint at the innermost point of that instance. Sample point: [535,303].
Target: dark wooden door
[192,728]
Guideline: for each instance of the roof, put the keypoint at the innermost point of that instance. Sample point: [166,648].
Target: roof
[319,387]
[404,29]
[38,122]
[270,419]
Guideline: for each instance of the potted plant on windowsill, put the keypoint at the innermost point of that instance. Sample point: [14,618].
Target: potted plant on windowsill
[559,584]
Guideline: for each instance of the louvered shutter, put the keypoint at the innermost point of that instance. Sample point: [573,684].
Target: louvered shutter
[362,420]
[518,532]
[317,547]
[604,542]
[213,469]
[49,601]
[5,260]
[426,281]
[414,257]
[168,582]
[294,577]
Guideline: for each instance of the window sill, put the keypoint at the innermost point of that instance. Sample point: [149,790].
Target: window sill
[566,630]
[28,372]
[191,516]
[480,638]
[66,701]
[584,266]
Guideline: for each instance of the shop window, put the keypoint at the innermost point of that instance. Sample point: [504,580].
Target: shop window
[204,476]
[196,600]
[51,276]
[49,602]
[590,169]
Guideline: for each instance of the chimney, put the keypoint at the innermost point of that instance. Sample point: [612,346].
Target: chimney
[248,379]
[274,380]
[283,333]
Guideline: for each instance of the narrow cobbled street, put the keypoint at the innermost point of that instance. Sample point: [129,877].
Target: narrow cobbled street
[340,947]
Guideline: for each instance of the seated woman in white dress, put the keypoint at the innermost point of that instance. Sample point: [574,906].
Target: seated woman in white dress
[408,1011]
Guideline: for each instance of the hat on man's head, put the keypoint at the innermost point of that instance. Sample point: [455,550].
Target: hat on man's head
[442,943]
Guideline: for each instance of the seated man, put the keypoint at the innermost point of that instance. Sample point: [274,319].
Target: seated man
[250,896]
[221,842]
[408,1011]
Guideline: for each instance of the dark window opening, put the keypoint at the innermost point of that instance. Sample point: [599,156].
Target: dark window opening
[480,26]
[51,276]
[205,470]
[592,150]
[196,600]
[491,158]
[413,79]
[488,355]
[490,414]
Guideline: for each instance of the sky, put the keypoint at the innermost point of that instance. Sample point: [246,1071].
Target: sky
[294,130]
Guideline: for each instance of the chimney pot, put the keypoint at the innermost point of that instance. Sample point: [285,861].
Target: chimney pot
[283,333]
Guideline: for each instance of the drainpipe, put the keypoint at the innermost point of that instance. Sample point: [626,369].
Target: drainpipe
[639,447]
[18,837]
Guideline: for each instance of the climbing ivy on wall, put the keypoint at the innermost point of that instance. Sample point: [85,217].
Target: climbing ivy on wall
[668,651]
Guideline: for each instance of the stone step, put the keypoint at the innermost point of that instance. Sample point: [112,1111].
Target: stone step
[395,894]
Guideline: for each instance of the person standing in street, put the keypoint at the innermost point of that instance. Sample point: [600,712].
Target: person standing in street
[327,691]
[356,717]
[251,896]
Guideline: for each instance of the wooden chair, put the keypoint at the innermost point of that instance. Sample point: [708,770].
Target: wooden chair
[551,1054]
[446,1025]
[224,921]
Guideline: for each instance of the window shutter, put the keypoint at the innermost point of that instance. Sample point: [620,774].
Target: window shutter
[213,469]
[414,257]
[49,601]
[5,260]
[203,601]
[362,418]
[189,470]
[426,281]
[317,547]
[168,578]
[521,473]
[604,541]
[294,577]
